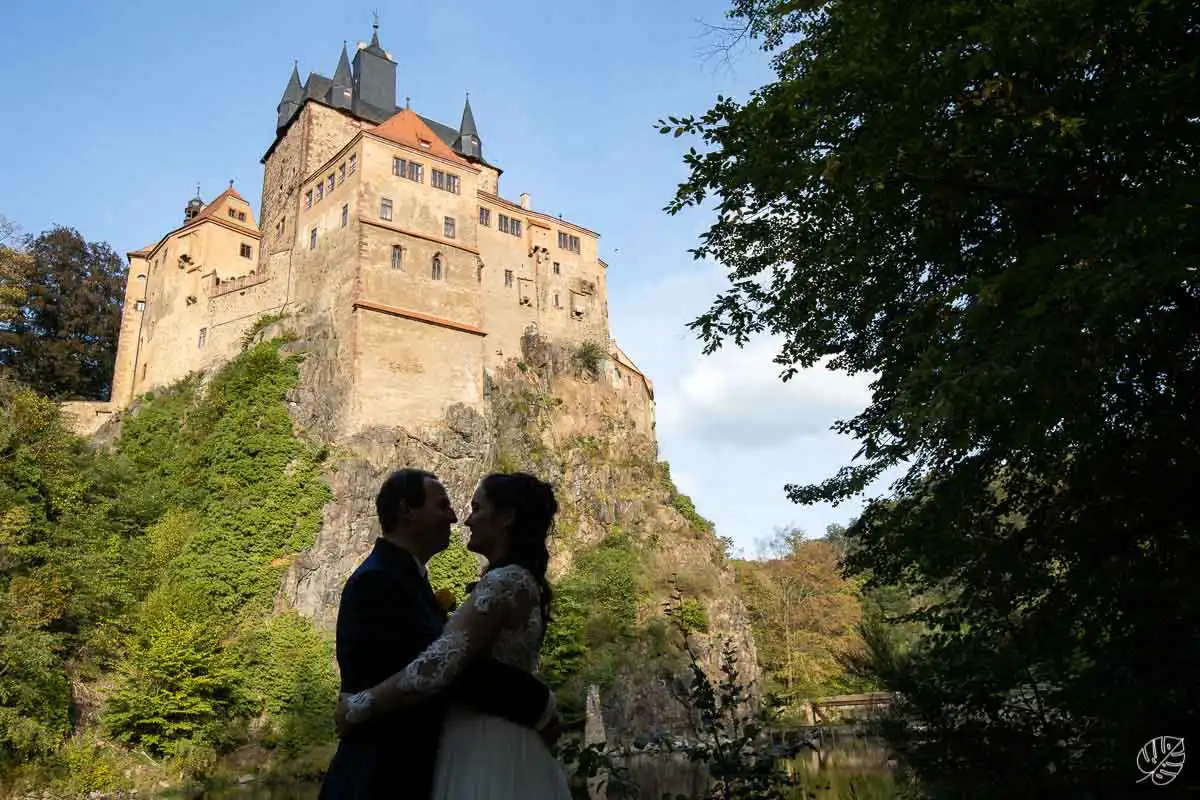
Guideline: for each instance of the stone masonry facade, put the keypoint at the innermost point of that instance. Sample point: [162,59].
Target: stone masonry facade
[384,238]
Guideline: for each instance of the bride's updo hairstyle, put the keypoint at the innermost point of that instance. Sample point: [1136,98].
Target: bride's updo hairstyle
[533,505]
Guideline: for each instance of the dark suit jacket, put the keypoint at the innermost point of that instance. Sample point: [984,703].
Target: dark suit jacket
[388,616]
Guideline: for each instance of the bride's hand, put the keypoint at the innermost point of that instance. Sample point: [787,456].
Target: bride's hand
[342,718]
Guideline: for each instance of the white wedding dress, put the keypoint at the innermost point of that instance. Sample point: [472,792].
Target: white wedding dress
[482,757]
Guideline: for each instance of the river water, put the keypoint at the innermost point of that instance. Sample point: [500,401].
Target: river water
[848,768]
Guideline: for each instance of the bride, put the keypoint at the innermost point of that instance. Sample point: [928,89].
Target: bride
[480,756]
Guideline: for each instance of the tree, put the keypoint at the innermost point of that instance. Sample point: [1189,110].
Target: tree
[454,568]
[803,613]
[60,306]
[989,207]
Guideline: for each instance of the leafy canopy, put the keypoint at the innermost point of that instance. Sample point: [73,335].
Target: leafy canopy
[988,208]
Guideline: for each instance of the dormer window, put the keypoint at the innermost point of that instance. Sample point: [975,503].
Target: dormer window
[425,144]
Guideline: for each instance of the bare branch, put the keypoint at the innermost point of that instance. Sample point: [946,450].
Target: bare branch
[725,42]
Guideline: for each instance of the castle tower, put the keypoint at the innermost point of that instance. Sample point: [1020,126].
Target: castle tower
[374,79]
[194,206]
[292,97]
[341,92]
[468,143]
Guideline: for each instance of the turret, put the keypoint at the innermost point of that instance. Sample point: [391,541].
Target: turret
[341,90]
[374,76]
[468,143]
[289,104]
[194,206]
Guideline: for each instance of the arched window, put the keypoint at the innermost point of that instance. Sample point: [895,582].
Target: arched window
[437,267]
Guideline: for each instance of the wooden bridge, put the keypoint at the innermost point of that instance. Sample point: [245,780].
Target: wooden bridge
[829,718]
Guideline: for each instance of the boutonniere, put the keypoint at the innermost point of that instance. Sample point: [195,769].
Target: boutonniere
[446,600]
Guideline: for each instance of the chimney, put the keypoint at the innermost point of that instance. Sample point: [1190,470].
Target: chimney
[525,200]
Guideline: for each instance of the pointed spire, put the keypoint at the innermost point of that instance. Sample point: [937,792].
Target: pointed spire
[293,95]
[375,29]
[341,75]
[341,92]
[468,142]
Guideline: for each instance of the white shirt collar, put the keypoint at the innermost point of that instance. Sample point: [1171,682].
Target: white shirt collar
[421,568]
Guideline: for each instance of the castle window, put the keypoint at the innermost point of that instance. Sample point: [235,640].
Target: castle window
[345,214]
[508,278]
[329,183]
[312,239]
[233,213]
[145,367]
[485,216]
[320,191]
[308,199]
[437,267]
[140,305]
[448,227]
[444,181]
[568,242]
[141,278]
[556,303]
[403,168]
[557,268]
[203,337]
[504,223]
[514,227]
[385,209]
[341,172]
[246,251]
[353,164]
[397,256]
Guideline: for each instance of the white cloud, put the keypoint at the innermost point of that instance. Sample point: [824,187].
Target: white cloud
[735,397]
[734,433]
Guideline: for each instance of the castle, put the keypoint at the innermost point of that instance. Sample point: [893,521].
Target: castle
[384,237]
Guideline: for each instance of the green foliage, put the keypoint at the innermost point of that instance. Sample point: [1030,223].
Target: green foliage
[179,682]
[593,621]
[453,568]
[690,616]
[291,674]
[159,561]
[197,661]
[60,307]
[990,208]
[587,358]
[261,324]
[64,540]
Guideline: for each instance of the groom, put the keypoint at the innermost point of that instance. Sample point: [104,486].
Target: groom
[388,616]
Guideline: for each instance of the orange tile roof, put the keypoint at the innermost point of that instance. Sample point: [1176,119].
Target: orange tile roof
[409,129]
[211,208]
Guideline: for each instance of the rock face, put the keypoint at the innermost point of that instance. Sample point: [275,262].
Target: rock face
[551,416]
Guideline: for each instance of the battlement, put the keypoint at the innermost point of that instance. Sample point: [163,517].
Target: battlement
[215,287]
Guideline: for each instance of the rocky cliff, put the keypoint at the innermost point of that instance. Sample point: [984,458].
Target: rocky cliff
[551,413]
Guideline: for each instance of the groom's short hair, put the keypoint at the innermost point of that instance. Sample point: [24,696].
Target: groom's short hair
[404,488]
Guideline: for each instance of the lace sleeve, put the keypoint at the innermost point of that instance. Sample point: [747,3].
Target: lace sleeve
[502,595]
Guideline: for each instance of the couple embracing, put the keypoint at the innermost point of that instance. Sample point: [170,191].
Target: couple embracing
[439,708]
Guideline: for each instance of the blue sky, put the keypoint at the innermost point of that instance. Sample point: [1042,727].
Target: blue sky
[115,110]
